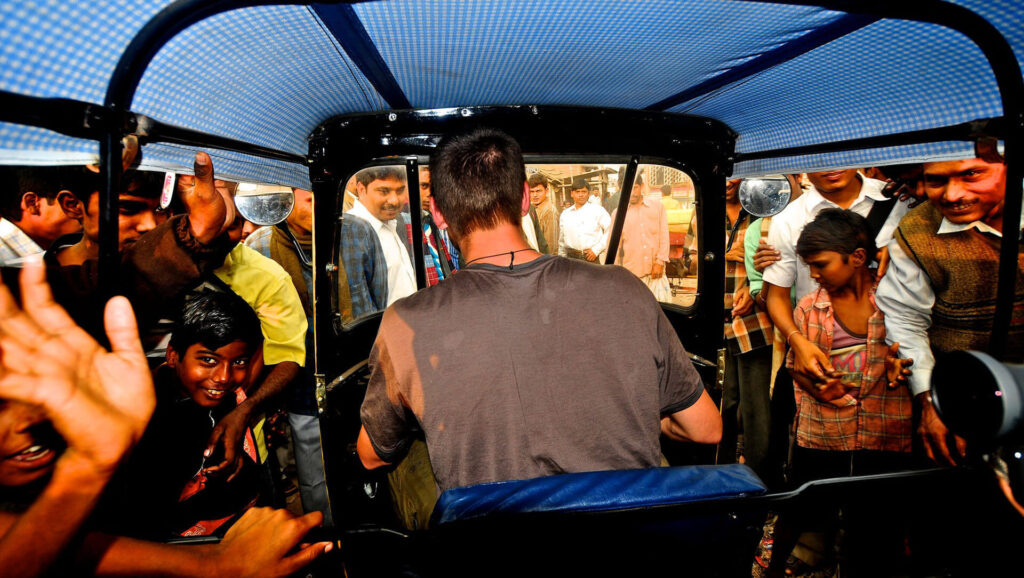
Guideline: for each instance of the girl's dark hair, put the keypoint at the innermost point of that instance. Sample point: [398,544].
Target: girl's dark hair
[216,319]
[838,230]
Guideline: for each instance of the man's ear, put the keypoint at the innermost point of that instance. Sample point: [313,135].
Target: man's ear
[437,216]
[30,203]
[360,189]
[71,206]
[526,198]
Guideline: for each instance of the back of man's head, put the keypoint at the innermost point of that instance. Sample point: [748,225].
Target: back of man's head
[666,190]
[216,319]
[478,180]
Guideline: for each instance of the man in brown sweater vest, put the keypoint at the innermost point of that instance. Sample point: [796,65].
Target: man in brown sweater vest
[939,292]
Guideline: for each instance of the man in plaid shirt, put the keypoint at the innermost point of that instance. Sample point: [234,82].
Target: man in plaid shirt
[748,334]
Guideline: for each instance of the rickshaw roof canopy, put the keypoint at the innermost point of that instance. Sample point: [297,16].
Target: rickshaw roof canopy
[778,75]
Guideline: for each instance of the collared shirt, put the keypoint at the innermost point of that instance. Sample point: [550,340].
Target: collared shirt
[547,217]
[583,228]
[401,274]
[15,245]
[790,270]
[871,416]
[644,240]
[755,329]
[906,296]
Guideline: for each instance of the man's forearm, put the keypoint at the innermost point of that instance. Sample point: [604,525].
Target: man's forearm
[36,538]
[272,386]
[780,308]
[105,555]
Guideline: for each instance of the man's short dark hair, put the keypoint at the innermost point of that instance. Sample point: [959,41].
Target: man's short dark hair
[537,179]
[215,319]
[478,180]
[367,176]
[45,182]
[579,184]
[147,184]
[666,190]
[838,230]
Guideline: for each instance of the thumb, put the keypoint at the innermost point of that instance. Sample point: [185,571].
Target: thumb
[203,168]
[120,325]
[218,432]
[894,349]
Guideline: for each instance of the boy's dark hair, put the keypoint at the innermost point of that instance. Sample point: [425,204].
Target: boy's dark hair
[537,179]
[367,176]
[478,180]
[666,190]
[838,230]
[216,319]
[579,183]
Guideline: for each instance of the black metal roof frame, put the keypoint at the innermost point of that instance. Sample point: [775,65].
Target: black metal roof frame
[114,119]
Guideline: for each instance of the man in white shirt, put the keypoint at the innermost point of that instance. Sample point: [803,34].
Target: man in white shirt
[382,193]
[32,219]
[845,189]
[939,291]
[582,227]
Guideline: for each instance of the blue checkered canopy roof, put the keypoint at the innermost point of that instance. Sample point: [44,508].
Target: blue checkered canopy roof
[269,75]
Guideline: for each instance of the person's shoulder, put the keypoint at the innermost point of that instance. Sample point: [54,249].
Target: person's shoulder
[817,298]
[251,259]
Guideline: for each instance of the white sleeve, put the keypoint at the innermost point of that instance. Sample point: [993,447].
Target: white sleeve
[604,221]
[782,273]
[906,298]
[561,235]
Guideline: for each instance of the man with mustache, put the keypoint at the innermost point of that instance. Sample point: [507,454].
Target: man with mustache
[382,195]
[939,292]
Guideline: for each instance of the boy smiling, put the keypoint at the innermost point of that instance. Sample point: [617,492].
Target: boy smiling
[208,365]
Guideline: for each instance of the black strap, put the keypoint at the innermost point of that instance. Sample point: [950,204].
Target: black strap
[735,229]
[442,255]
[879,212]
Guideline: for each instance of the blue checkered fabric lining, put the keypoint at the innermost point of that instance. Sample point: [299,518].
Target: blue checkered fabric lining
[269,75]
[626,54]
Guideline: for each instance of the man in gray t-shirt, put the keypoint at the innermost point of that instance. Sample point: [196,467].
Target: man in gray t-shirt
[524,365]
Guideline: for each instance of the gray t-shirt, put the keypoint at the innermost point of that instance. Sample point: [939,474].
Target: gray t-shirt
[556,366]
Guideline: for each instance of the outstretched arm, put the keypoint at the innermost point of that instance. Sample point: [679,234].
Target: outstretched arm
[99,401]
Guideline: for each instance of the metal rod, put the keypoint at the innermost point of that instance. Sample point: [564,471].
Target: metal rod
[157,131]
[964,131]
[412,178]
[625,189]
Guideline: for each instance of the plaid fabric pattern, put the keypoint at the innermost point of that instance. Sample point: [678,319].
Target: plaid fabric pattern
[15,245]
[434,275]
[750,331]
[871,416]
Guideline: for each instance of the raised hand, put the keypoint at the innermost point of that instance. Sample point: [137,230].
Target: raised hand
[100,401]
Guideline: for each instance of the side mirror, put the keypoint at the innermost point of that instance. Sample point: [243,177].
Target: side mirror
[982,399]
[978,397]
[764,197]
[264,205]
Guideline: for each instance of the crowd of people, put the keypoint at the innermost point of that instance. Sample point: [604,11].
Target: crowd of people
[128,421]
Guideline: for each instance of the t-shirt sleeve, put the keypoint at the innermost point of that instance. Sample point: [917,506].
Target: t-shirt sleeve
[384,416]
[679,384]
[283,322]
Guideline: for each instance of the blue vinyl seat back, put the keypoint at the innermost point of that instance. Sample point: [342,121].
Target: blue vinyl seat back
[598,492]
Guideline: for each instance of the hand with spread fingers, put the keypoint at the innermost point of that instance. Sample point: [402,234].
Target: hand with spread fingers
[100,401]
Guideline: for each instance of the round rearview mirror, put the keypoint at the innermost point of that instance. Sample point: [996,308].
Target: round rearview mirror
[264,205]
[764,197]
[978,397]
